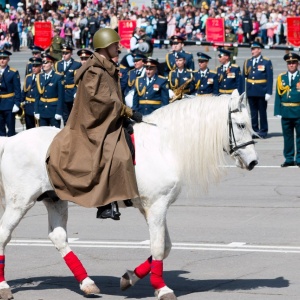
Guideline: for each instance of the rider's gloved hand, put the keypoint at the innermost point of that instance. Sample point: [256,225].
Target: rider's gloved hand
[137,117]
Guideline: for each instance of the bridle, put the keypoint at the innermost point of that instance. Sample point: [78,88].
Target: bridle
[233,146]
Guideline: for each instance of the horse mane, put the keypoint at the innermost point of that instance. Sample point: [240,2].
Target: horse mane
[195,131]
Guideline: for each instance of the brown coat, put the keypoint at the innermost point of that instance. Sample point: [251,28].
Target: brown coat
[89,161]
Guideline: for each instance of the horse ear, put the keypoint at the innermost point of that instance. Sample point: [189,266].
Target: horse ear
[242,97]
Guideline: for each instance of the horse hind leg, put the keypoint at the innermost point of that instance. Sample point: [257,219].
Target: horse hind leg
[9,221]
[57,219]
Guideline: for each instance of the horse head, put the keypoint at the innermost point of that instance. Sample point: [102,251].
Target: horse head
[240,133]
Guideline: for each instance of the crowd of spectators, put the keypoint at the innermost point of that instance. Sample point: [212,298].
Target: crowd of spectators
[78,20]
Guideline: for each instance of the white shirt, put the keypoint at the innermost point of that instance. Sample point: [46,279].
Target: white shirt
[292,75]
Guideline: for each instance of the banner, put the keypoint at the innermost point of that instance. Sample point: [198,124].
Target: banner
[215,31]
[293,31]
[125,29]
[42,34]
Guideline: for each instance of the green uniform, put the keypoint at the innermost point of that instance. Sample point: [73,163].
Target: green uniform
[287,105]
[231,38]
[56,47]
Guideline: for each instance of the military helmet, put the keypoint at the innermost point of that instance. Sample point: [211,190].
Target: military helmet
[105,37]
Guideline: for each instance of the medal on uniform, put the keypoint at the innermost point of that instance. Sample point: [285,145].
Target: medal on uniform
[298,86]
[155,87]
[261,68]
[210,80]
[231,75]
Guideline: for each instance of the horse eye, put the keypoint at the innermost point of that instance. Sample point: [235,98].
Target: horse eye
[241,126]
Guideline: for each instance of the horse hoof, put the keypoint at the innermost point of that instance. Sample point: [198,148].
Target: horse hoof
[128,280]
[89,287]
[170,296]
[6,294]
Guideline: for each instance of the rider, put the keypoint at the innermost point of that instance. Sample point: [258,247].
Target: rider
[95,166]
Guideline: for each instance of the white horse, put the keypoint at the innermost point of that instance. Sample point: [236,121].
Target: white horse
[182,143]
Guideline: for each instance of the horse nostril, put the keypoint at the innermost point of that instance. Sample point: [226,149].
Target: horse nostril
[252,165]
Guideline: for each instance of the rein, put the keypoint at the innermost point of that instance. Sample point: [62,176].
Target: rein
[233,147]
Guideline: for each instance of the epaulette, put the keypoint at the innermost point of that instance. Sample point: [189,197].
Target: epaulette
[213,71]
[235,65]
[190,70]
[59,73]
[122,67]
[282,74]
[163,77]
[266,58]
[12,69]
[187,52]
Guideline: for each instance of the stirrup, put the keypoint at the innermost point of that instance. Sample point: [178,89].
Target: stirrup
[109,211]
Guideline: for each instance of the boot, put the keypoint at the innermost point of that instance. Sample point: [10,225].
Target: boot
[109,211]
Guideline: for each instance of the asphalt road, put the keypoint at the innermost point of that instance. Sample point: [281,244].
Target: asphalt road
[241,241]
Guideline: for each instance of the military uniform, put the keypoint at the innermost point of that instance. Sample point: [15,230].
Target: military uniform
[177,79]
[287,105]
[229,79]
[231,38]
[68,70]
[10,97]
[29,93]
[259,82]
[150,93]
[56,46]
[207,84]
[49,98]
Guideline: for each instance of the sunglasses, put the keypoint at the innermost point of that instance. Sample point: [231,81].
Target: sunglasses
[293,62]
[46,62]
[84,58]
[150,68]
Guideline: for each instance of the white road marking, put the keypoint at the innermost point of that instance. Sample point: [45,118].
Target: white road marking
[231,247]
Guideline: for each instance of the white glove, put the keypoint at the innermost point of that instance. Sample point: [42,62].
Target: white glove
[267,97]
[171,94]
[57,117]
[15,108]
[234,57]
[74,95]
[37,116]
[278,116]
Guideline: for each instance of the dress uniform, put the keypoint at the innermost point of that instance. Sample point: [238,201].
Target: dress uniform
[177,45]
[67,67]
[206,80]
[287,105]
[151,90]
[229,75]
[84,55]
[131,77]
[10,95]
[50,94]
[231,38]
[258,72]
[179,77]
[29,92]
[36,52]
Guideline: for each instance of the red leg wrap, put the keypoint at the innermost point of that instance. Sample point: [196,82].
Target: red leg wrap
[143,269]
[75,266]
[156,277]
[2,265]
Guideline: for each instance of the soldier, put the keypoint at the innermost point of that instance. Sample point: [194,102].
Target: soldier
[49,95]
[206,80]
[36,52]
[287,105]
[258,72]
[181,79]
[56,45]
[229,75]
[231,38]
[177,43]
[131,76]
[10,95]
[151,90]
[84,55]
[67,67]
[29,91]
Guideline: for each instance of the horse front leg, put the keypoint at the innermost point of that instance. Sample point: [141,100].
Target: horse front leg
[57,218]
[160,248]
[9,221]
